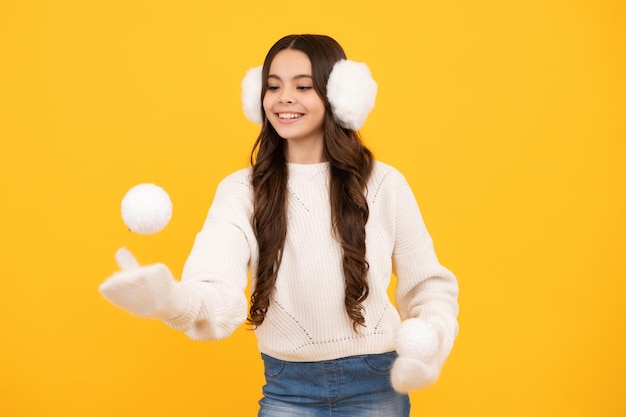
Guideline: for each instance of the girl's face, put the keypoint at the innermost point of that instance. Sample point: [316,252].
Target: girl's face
[291,104]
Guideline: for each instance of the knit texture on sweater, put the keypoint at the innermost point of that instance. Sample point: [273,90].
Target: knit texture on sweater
[306,320]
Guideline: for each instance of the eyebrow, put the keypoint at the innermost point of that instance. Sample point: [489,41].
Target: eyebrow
[295,77]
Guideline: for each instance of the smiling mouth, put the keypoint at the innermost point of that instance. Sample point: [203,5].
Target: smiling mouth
[289,116]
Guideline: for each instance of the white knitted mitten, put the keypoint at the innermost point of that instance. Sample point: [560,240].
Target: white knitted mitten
[148,291]
[416,367]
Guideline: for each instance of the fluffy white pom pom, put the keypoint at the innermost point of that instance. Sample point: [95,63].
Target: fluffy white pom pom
[146,208]
[351,91]
[417,339]
[251,94]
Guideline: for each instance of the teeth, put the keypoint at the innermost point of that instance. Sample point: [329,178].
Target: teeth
[288,115]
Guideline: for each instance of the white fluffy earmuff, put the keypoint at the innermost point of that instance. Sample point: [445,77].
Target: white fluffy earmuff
[251,94]
[351,91]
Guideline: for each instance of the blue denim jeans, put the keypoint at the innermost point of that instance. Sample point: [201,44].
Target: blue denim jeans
[351,386]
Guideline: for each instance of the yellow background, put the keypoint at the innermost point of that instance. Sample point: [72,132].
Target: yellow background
[508,119]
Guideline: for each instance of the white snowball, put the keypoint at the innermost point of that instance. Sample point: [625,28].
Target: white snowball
[146,208]
[418,339]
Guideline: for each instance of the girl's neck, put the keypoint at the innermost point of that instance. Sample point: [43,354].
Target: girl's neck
[306,152]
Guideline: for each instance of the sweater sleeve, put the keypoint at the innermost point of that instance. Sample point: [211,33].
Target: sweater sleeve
[216,272]
[426,289]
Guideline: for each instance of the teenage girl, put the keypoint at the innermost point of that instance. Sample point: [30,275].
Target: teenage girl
[322,226]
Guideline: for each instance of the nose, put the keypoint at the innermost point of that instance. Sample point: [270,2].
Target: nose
[285,97]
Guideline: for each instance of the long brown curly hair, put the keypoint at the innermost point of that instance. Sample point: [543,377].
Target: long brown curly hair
[350,167]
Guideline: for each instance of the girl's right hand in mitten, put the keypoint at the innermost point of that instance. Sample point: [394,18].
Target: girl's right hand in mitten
[149,291]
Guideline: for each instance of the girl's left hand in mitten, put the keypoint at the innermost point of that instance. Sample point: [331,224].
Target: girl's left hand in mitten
[416,367]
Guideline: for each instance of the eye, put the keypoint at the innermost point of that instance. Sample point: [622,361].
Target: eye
[304,87]
[272,87]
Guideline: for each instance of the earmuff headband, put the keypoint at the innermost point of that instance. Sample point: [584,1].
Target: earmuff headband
[351,91]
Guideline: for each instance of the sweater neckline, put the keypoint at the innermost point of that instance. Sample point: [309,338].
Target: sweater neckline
[299,172]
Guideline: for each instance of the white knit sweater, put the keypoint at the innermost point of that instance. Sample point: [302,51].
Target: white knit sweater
[307,320]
